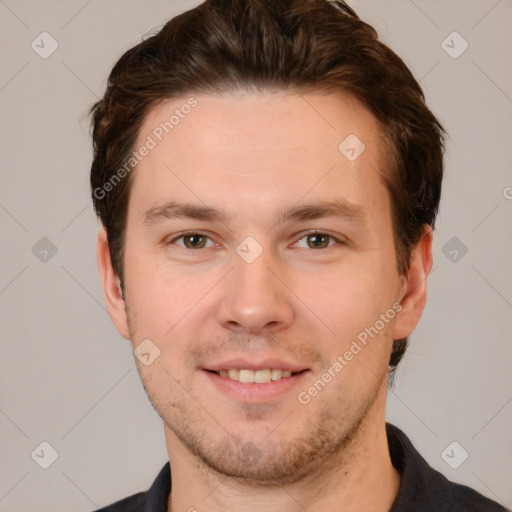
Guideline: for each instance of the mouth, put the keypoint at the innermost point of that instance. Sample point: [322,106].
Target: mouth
[262,376]
[263,383]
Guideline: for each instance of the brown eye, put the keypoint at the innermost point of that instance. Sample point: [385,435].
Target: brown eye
[193,241]
[316,241]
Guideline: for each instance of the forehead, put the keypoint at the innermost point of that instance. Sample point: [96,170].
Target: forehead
[252,149]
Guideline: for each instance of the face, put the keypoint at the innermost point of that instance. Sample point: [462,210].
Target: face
[258,249]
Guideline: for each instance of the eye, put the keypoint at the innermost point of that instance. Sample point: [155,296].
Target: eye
[193,240]
[316,240]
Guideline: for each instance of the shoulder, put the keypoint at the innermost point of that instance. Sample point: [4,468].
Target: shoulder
[423,489]
[131,504]
[154,500]
[448,496]
[463,498]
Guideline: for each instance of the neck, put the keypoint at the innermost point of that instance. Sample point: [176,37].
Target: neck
[360,478]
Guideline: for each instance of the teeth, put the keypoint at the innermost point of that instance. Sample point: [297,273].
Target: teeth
[246,376]
[277,374]
[259,376]
[262,376]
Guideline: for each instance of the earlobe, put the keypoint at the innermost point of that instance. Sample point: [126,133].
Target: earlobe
[414,291]
[111,286]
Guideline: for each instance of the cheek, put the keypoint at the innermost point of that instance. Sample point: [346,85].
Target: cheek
[163,299]
[347,300]
[153,298]
[351,303]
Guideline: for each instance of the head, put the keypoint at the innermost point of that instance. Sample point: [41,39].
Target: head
[267,176]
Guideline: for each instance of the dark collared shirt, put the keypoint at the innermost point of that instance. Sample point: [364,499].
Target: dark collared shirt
[422,489]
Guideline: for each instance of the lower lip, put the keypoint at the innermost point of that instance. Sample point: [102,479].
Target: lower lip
[252,392]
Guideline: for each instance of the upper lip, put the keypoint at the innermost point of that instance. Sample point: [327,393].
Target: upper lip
[255,365]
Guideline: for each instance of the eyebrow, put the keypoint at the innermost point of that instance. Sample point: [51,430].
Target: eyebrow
[339,208]
[173,210]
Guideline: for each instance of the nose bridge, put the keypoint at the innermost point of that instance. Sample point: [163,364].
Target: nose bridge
[255,274]
[253,297]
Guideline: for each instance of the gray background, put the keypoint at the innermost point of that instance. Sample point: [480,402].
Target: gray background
[69,379]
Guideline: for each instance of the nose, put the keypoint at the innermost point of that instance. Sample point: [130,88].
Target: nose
[255,298]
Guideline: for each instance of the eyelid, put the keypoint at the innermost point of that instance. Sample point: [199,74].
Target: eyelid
[177,236]
[340,240]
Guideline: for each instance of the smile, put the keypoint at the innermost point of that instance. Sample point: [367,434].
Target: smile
[256,376]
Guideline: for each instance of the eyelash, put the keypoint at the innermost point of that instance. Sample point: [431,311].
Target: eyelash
[303,235]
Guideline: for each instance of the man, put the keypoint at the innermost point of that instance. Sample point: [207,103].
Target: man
[268,176]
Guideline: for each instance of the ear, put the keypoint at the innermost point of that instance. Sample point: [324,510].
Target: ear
[414,289]
[111,286]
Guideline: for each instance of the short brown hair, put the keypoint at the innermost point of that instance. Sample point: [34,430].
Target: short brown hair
[301,45]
